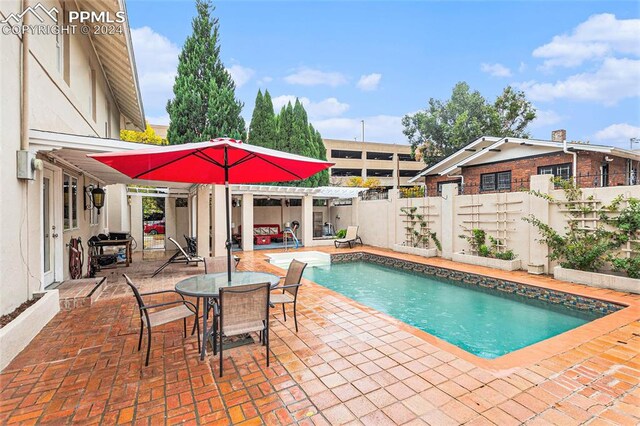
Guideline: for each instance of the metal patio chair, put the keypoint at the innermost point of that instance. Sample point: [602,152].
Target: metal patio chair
[180,256]
[241,310]
[290,287]
[351,238]
[183,310]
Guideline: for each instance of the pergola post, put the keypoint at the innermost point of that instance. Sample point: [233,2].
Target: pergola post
[307,220]
[202,220]
[218,221]
[247,222]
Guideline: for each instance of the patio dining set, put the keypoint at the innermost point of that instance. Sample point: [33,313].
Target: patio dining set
[238,306]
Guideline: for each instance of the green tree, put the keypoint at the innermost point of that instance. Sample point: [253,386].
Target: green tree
[204,104]
[262,130]
[148,136]
[446,126]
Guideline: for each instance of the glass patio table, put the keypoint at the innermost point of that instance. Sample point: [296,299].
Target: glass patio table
[208,286]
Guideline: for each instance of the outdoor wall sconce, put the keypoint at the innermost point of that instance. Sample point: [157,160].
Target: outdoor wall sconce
[93,197]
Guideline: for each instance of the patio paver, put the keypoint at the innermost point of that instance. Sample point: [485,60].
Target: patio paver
[348,363]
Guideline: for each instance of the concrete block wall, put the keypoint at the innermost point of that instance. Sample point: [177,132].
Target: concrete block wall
[381,223]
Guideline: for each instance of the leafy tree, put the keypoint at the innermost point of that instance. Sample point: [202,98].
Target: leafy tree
[148,136]
[359,182]
[263,131]
[204,104]
[446,126]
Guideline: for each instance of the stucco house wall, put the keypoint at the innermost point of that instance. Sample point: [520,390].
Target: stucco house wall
[56,104]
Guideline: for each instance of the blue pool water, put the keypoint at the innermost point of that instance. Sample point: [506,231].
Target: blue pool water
[487,323]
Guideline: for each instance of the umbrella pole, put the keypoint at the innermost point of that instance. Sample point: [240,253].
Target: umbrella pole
[226,200]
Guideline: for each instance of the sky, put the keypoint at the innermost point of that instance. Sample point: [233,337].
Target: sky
[578,62]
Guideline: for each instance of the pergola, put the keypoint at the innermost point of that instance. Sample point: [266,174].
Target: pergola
[207,219]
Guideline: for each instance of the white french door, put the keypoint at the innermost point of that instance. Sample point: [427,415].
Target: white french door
[49,231]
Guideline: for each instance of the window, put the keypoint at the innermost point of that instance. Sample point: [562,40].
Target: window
[341,153]
[346,172]
[408,173]
[441,184]
[70,201]
[557,170]
[380,156]
[500,181]
[406,157]
[379,173]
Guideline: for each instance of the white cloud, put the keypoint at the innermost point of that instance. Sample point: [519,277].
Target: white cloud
[369,82]
[379,128]
[264,80]
[620,133]
[329,107]
[598,37]
[157,62]
[546,118]
[496,70]
[310,77]
[616,79]
[240,75]
[522,67]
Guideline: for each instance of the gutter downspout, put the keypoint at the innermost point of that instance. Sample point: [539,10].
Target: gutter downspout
[575,160]
[24,128]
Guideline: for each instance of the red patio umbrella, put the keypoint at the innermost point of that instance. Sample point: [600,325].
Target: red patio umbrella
[219,161]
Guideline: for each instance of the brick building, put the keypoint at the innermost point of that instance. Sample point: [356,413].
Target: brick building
[491,164]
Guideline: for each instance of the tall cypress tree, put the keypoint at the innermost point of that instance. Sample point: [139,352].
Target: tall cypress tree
[262,130]
[204,104]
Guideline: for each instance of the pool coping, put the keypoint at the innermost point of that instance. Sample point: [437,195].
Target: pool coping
[530,354]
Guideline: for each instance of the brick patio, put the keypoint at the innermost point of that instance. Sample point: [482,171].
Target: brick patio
[347,364]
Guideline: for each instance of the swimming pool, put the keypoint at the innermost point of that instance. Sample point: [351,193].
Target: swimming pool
[485,322]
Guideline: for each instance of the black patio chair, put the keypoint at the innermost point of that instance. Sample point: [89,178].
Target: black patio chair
[184,310]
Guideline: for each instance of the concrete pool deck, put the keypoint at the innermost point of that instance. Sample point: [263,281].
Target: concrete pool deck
[347,364]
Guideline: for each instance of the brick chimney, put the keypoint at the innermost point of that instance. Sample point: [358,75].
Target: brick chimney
[558,135]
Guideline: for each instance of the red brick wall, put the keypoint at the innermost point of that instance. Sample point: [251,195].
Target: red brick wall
[522,169]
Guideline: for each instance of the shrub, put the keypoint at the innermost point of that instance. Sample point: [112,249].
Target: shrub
[478,243]
[341,233]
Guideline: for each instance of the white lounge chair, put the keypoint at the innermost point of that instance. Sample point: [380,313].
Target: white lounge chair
[351,238]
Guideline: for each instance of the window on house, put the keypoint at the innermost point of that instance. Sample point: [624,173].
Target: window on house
[500,181]
[557,170]
[441,184]
[70,201]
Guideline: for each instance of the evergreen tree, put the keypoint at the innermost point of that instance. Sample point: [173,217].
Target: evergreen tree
[263,122]
[204,104]
[285,129]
